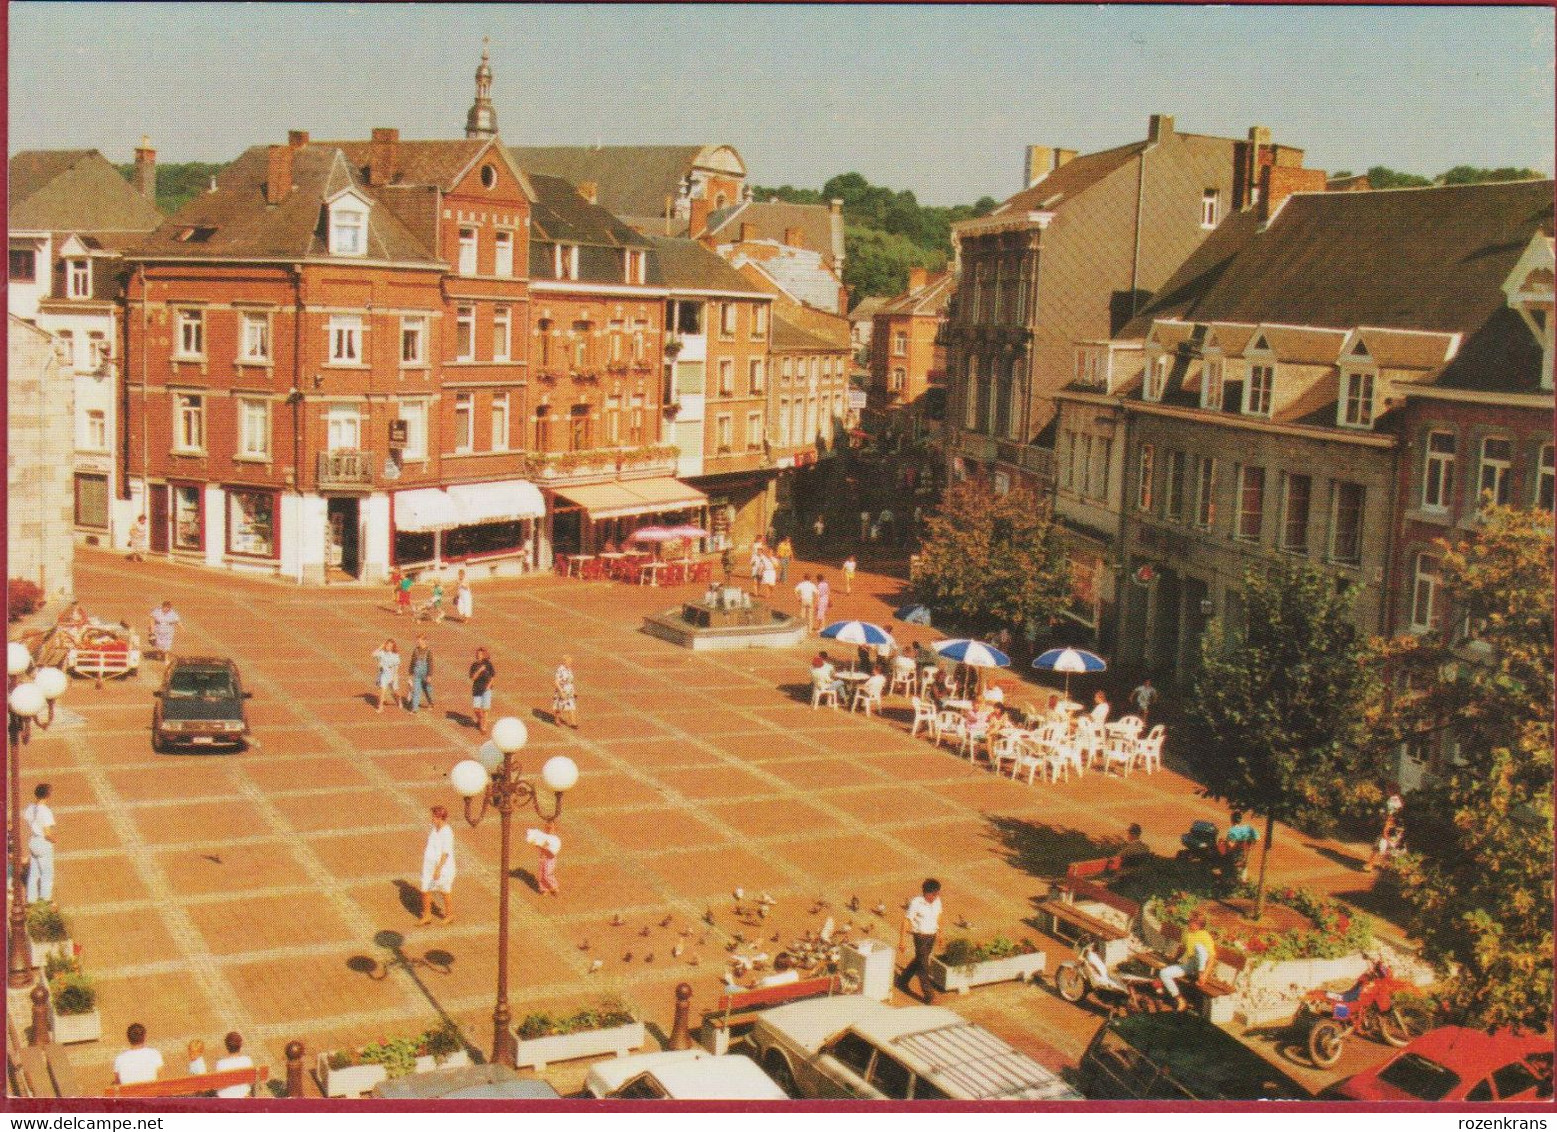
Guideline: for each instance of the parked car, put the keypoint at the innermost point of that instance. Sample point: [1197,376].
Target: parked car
[683,1075]
[1453,1063]
[466,1083]
[1178,1057]
[200,704]
[853,1046]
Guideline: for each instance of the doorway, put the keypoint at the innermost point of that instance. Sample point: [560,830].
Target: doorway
[157,516]
[343,535]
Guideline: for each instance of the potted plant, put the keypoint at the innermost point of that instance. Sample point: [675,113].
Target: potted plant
[47,933]
[965,964]
[346,1073]
[73,999]
[608,1028]
[441,1047]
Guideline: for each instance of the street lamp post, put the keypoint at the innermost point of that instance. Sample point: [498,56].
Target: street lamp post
[27,702]
[496,779]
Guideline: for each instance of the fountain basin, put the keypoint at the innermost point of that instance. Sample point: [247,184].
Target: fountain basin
[706,625]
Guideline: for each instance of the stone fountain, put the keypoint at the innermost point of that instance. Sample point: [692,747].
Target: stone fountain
[725,617]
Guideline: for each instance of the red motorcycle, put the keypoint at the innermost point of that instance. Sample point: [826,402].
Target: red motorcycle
[1378,1005]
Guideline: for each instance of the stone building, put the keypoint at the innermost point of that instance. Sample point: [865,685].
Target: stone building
[40,413]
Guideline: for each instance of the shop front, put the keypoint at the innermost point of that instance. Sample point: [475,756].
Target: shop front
[485,528]
[589,517]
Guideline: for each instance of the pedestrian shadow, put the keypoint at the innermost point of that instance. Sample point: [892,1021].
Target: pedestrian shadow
[545,716]
[410,897]
[527,877]
[1350,860]
[460,718]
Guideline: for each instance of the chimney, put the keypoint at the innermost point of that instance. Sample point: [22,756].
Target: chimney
[836,204]
[1040,163]
[297,139]
[146,170]
[748,231]
[1278,182]
[381,155]
[590,191]
[916,278]
[1159,126]
[794,238]
[1064,156]
[278,174]
[697,228]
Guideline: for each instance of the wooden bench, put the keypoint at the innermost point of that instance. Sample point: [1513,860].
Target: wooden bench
[193,1086]
[1071,924]
[1215,991]
[742,1008]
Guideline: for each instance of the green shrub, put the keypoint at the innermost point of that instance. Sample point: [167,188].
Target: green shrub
[61,964]
[45,924]
[341,1059]
[963,952]
[441,1041]
[1336,930]
[23,598]
[610,1012]
[396,1055]
[73,993]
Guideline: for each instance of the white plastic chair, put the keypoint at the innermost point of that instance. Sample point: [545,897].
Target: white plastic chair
[1089,742]
[1030,757]
[1131,725]
[924,715]
[1149,749]
[905,676]
[1119,750]
[868,695]
[822,690]
[1062,758]
[948,725]
[1007,749]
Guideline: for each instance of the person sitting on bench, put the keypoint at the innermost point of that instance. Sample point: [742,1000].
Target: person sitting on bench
[1195,961]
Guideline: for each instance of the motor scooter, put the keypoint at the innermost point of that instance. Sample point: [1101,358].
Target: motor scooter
[1122,992]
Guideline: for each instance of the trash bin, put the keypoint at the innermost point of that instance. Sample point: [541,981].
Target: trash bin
[871,963]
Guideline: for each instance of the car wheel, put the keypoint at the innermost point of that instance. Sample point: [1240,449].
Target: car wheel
[776,1065]
[1069,982]
[1324,1043]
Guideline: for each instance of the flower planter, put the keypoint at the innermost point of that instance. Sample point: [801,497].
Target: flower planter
[620,1040]
[457,1060]
[72,1028]
[42,952]
[968,975]
[352,1081]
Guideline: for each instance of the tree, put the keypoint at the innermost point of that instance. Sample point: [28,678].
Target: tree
[1479,876]
[1276,704]
[1382,177]
[177,184]
[992,559]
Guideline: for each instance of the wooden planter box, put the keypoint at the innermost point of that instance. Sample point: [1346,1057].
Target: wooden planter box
[620,1040]
[460,1059]
[961,979]
[72,1028]
[42,952]
[353,1081]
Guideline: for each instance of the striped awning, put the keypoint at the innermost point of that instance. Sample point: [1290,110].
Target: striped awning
[426,509]
[652,496]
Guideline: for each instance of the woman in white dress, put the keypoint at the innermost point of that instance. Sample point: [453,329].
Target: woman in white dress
[464,602]
[438,866]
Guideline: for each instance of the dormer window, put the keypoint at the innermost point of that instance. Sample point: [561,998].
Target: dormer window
[1211,384]
[1257,396]
[1210,208]
[349,227]
[1156,377]
[635,265]
[1356,401]
[566,261]
[79,279]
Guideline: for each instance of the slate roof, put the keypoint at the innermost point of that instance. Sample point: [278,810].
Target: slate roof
[931,299]
[630,180]
[74,190]
[819,228]
[559,213]
[432,162]
[689,266]
[1071,178]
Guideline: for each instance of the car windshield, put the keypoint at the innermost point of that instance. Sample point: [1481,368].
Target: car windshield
[201,683]
[1412,1073]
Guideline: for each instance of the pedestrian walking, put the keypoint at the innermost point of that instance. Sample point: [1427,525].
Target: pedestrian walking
[39,819]
[403,584]
[421,675]
[438,867]
[388,658]
[864,525]
[769,577]
[435,606]
[824,596]
[922,921]
[235,1059]
[819,528]
[849,566]
[805,590]
[464,600]
[163,622]
[481,675]
[564,698]
[138,1064]
[140,536]
[548,845]
[1238,844]
[758,561]
[1143,696]
[786,551]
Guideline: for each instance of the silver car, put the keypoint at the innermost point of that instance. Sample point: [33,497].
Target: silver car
[853,1046]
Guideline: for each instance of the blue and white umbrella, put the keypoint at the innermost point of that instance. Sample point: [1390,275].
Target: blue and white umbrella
[857,633]
[1070,662]
[975,654]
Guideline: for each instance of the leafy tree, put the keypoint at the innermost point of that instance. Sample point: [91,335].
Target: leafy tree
[1382,177]
[992,559]
[877,262]
[1470,175]
[1276,704]
[1479,878]
[178,184]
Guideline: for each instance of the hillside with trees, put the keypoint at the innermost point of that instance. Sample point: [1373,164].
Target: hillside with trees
[886,232]
[1383,177]
[177,184]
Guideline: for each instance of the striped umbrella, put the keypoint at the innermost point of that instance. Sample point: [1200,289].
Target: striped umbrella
[1070,661]
[857,633]
[975,654]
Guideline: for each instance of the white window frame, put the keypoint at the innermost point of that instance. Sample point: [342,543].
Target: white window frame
[413,331]
[1501,469]
[190,330]
[1354,408]
[345,340]
[1157,367]
[1287,480]
[898,380]
[724,434]
[469,246]
[1211,208]
[78,279]
[726,377]
[1174,485]
[94,430]
[611,419]
[1337,490]
[349,229]
[189,423]
[343,428]
[66,348]
[503,252]
[1426,582]
[1244,516]
[465,333]
[414,414]
[565,261]
[1438,469]
[1211,376]
[464,423]
[727,320]
[254,338]
[1144,469]
[1258,395]
[759,322]
[500,422]
[900,343]
[788,368]
[754,430]
[502,333]
[634,265]
[755,375]
[97,350]
[253,428]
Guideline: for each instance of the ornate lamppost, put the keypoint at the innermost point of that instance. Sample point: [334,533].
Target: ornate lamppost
[495,778]
[27,702]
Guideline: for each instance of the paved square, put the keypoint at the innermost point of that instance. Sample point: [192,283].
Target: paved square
[255,891]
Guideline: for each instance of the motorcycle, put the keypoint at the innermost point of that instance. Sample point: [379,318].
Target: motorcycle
[1122,992]
[1377,1005]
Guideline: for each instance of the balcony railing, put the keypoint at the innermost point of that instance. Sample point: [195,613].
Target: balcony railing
[598,463]
[346,468]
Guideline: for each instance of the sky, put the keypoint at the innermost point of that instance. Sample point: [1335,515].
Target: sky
[940,100]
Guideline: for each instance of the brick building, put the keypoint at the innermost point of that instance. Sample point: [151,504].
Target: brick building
[71,214]
[907,360]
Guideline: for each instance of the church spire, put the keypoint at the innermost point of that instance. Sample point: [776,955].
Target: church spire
[481,122]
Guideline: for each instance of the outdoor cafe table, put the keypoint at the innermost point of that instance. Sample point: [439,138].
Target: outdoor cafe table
[576,563]
[649,573]
[957,705]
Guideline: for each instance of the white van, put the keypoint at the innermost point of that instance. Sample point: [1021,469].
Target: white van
[683,1075]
